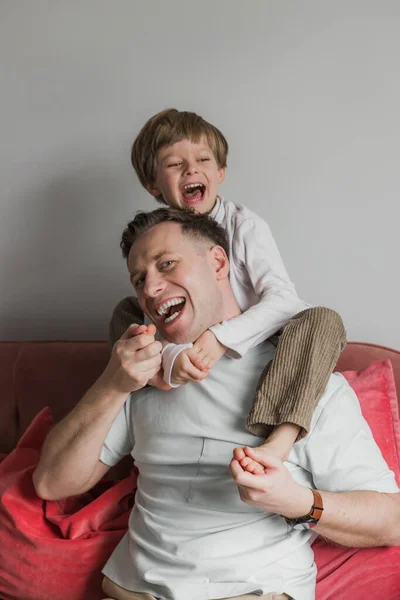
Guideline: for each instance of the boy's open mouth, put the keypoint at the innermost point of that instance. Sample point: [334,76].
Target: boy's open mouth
[169,310]
[193,192]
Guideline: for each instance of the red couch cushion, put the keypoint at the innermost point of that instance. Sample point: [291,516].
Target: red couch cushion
[354,573]
[55,550]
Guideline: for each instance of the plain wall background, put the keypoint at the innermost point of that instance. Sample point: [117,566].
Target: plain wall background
[307,93]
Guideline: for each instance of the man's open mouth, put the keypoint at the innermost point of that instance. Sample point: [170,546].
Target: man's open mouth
[193,192]
[169,310]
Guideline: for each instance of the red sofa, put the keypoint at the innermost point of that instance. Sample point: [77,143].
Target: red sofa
[56,374]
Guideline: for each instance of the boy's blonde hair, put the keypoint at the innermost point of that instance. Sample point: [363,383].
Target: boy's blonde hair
[166,128]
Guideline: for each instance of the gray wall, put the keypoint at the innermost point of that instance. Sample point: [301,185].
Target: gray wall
[307,93]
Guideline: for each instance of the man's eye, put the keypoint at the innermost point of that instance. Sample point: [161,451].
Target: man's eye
[139,282]
[205,159]
[166,264]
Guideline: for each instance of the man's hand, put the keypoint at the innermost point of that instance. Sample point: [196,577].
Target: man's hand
[184,370]
[274,490]
[206,351]
[135,359]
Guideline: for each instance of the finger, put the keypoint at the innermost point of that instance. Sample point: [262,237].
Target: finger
[153,349]
[184,378]
[238,453]
[189,372]
[249,480]
[136,343]
[133,329]
[198,359]
[151,329]
[261,455]
[147,367]
[235,468]
[254,467]
[244,462]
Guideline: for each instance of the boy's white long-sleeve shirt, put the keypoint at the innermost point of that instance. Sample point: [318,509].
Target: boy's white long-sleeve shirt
[260,283]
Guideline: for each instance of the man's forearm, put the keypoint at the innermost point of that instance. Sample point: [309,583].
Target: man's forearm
[361,518]
[69,463]
[70,455]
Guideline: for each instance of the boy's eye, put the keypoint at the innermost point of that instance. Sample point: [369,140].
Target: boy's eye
[174,164]
[205,159]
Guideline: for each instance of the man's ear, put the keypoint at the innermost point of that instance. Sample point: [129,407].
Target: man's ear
[220,262]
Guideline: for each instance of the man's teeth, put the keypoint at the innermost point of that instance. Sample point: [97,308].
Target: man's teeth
[172,317]
[164,307]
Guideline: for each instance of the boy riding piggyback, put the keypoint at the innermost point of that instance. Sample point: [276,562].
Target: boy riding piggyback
[181,160]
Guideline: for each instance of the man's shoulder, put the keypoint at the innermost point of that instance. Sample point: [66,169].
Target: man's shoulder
[338,395]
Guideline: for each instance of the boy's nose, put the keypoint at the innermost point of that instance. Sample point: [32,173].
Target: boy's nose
[192,168]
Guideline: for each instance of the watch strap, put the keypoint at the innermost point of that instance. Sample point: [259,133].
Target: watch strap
[313,516]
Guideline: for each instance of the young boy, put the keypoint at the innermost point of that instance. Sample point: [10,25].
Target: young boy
[181,159]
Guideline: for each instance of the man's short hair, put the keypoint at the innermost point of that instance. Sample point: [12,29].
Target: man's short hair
[198,227]
[166,128]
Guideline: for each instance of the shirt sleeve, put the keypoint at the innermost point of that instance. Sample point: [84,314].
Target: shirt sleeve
[169,354]
[119,441]
[256,253]
[341,452]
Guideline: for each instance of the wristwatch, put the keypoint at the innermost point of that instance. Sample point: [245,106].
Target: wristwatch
[312,518]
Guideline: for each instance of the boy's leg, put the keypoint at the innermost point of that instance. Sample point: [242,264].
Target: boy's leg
[293,382]
[125,313]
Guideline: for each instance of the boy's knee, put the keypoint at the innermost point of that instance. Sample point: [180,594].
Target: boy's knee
[321,318]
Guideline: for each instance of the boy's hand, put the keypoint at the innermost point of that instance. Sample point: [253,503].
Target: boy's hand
[158,381]
[206,351]
[184,371]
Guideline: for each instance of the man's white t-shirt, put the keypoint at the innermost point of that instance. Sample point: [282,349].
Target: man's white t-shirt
[190,535]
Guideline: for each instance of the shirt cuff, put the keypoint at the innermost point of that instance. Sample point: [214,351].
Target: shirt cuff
[169,354]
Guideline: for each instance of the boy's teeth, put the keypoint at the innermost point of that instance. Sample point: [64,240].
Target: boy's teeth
[164,307]
[192,185]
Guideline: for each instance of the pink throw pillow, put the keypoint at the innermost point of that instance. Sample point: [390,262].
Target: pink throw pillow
[354,573]
[55,550]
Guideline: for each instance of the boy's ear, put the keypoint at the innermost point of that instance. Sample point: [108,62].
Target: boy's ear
[220,262]
[221,175]
[153,190]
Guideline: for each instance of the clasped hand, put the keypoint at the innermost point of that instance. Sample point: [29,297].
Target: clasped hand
[273,490]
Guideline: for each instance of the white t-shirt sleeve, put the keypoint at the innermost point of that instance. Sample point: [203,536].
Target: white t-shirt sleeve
[340,450]
[119,441]
[254,247]
[168,356]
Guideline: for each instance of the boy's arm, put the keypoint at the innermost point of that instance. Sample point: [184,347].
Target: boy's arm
[254,252]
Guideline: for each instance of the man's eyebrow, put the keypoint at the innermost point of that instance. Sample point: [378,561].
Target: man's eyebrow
[154,258]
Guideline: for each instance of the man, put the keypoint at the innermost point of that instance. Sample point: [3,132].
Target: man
[191,537]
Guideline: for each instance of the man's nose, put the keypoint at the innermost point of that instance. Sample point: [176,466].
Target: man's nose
[154,285]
